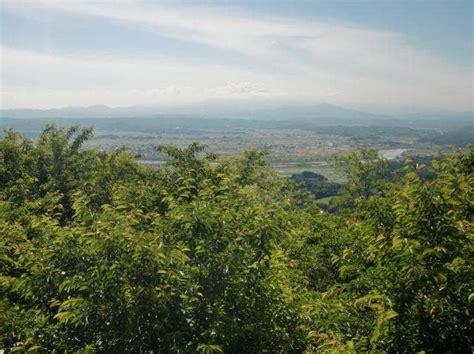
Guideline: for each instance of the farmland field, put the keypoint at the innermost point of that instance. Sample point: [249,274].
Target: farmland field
[292,147]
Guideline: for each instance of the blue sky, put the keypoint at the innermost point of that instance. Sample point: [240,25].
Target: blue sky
[377,55]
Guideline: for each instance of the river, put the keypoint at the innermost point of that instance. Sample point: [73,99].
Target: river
[392,154]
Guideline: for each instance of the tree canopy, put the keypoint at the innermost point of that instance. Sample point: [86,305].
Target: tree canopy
[101,254]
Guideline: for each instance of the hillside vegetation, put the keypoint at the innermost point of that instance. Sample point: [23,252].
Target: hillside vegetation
[101,254]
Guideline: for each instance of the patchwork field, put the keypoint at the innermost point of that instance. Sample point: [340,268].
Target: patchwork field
[293,146]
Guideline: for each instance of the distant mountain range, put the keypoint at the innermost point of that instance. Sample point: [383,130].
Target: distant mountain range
[322,114]
[98,111]
[248,111]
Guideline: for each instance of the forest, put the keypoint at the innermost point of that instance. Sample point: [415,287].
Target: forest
[99,253]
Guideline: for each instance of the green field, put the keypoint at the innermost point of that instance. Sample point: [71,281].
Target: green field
[290,150]
[293,146]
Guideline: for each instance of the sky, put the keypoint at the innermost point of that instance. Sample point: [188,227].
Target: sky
[380,55]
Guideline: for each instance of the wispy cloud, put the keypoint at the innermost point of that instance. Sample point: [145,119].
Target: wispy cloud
[290,59]
[48,80]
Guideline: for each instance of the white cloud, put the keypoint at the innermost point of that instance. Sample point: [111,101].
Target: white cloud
[32,79]
[292,59]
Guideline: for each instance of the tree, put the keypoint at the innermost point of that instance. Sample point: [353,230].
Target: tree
[100,254]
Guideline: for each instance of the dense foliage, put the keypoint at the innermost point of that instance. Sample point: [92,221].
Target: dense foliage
[99,253]
[315,183]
